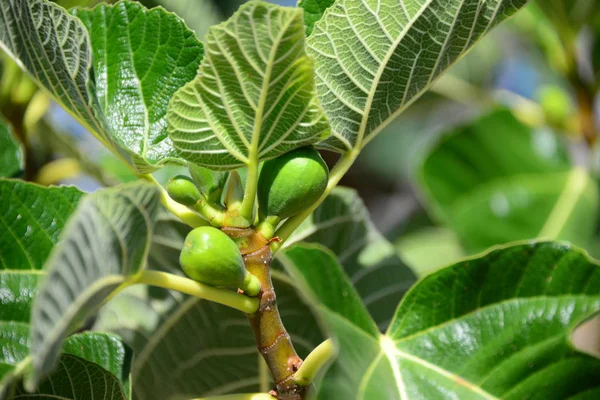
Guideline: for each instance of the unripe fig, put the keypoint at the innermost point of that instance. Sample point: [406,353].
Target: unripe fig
[210,182]
[292,182]
[183,190]
[209,256]
[555,103]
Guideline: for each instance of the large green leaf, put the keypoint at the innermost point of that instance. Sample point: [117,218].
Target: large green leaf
[106,242]
[496,180]
[492,147]
[187,347]
[31,220]
[374,58]
[54,48]
[140,57]
[551,206]
[92,362]
[11,154]
[118,91]
[342,224]
[92,366]
[494,326]
[254,97]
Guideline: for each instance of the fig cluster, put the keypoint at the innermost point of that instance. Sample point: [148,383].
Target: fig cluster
[287,186]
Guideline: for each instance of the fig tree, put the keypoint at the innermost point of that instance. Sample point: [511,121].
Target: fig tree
[209,256]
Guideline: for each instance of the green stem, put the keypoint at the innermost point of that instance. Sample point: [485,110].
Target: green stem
[337,173]
[211,214]
[314,362]
[247,208]
[267,226]
[179,210]
[188,286]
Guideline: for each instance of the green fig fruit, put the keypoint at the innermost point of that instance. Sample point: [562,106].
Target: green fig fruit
[183,190]
[292,182]
[209,256]
[555,103]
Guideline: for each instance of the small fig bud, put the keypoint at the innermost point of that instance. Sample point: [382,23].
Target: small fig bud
[234,192]
[555,103]
[209,256]
[292,182]
[183,190]
[209,182]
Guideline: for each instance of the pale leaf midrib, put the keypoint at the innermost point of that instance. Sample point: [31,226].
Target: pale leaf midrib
[253,151]
[389,353]
[476,388]
[362,138]
[443,372]
[70,110]
[573,191]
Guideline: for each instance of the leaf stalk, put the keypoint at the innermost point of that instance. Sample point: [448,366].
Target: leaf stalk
[228,298]
[179,210]
[337,173]
[314,363]
[247,208]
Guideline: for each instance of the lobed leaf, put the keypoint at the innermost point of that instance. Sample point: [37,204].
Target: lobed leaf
[118,91]
[33,218]
[54,48]
[105,243]
[253,98]
[140,58]
[374,58]
[92,362]
[494,326]
[491,196]
[342,224]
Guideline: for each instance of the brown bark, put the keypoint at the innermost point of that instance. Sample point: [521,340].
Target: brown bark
[272,340]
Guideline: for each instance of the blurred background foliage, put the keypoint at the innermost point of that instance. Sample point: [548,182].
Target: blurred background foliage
[486,157]
[503,148]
